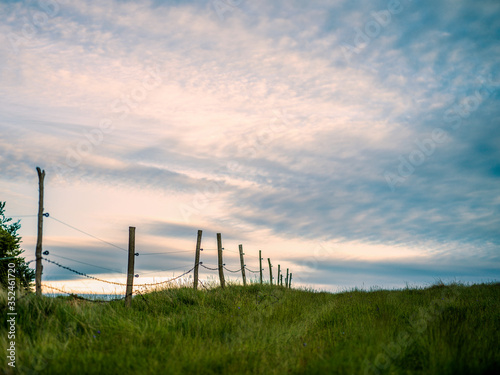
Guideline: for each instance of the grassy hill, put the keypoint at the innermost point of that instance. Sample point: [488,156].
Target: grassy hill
[261,329]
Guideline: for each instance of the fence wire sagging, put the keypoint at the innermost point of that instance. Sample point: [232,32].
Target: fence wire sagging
[220,267]
[130,274]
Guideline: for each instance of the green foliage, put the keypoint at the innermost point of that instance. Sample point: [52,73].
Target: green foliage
[261,329]
[10,243]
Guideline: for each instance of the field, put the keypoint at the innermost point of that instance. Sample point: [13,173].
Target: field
[261,329]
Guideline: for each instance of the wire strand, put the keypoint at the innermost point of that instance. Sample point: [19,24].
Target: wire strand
[88,234]
[171,252]
[88,264]
[83,274]
[111,282]
[227,269]
[208,268]
[248,269]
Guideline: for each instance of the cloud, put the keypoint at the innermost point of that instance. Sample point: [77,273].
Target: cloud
[264,106]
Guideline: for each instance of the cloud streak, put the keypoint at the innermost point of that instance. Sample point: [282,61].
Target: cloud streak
[256,121]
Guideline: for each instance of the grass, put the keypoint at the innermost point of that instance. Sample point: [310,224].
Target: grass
[260,329]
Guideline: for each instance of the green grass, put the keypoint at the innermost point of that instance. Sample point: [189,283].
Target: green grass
[453,329]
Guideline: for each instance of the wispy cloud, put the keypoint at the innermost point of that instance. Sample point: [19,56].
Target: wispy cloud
[257,120]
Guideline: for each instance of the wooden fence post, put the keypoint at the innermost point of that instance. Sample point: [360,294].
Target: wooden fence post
[242,262]
[197,260]
[281,283]
[221,265]
[270,271]
[130,271]
[38,252]
[286,280]
[290,281]
[278,278]
[260,265]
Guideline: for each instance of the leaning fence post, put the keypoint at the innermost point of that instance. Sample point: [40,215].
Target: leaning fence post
[270,271]
[197,260]
[242,261]
[290,281]
[260,265]
[130,271]
[221,265]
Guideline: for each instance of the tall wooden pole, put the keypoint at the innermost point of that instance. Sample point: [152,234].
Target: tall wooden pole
[260,265]
[290,281]
[197,260]
[286,279]
[38,252]
[242,262]
[130,271]
[221,265]
[270,271]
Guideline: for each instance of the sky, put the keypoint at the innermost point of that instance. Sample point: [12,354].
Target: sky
[354,142]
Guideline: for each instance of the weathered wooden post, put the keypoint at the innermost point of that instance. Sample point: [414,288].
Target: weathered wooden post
[278,279]
[242,262]
[197,260]
[38,251]
[270,271]
[260,265]
[286,280]
[290,281]
[281,281]
[130,271]
[221,265]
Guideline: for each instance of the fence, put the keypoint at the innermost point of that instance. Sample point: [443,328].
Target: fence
[141,288]
[132,254]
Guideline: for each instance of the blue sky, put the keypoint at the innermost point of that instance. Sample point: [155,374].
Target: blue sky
[355,142]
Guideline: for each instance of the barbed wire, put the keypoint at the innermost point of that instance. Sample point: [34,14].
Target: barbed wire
[84,274]
[113,282]
[202,284]
[88,234]
[208,268]
[171,252]
[88,264]
[227,269]
[248,269]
